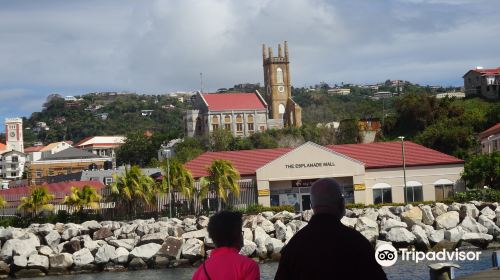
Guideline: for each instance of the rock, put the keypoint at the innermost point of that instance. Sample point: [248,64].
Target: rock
[44,229]
[469,224]
[421,240]
[24,246]
[175,231]
[105,254]
[83,257]
[86,268]
[436,236]
[189,221]
[91,225]
[29,273]
[72,246]
[70,232]
[202,222]
[296,225]
[380,243]
[447,220]
[195,234]
[283,216]
[127,229]
[265,224]
[171,248]
[488,213]
[112,225]
[128,244]
[490,225]
[45,250]
[61,261]
[158,237]
[469,210]
[146,251]
[370,213]
[90,244]
[280,230]
[160,262]
[38,262]
[112,267]
[365,223]
[274,245]
[445,245]
[385,212]
[454,234]
[498,216]
[103,233]
[480,240]
[248,248]
[427,216]
[400,236]
[260,237]
[267,214]
[307,215]
[4,270]
[20,261]
[121,255]
[247,234]
[137,264]
[193,249]
[371,235]
[412,216]
[455,207]
[387,224]
[349,222]
[11,233]
[439,209]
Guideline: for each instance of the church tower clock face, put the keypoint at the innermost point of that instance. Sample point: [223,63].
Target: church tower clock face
[281,89]
[12,134]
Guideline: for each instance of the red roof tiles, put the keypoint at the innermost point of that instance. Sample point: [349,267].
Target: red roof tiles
[490,131]
[34,149]
[2,146]
[494,71]
[233,101]
[373,155]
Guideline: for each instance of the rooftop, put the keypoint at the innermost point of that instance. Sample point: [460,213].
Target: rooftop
[70,153]
[491,71]
[33,149]
[490,131]
[101,141]
[373,155]
[233,101]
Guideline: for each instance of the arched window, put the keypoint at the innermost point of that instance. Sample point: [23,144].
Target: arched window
[239,119]
[215,120]
[279,75]
[250,118]
[227,119]
[382,193]
[414,191]
[281,110]
[443,189]
[239,124]
[250,122]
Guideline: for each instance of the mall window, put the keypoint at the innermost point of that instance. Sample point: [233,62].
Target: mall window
[348,192]
[414,193]
[382,195]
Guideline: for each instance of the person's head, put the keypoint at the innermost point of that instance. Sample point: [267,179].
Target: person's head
[225,229]
[326,197]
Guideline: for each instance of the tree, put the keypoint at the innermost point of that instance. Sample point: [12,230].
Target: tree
[3,202]
[348,132]
[220,140]
[134,189]
[84,197]
[188,149]
[222,178]
[483,170]
[178,178]
[39,199]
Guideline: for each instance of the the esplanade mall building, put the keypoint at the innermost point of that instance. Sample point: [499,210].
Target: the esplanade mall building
[369,173]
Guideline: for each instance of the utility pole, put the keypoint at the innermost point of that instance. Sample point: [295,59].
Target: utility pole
[201,82]
[404,165]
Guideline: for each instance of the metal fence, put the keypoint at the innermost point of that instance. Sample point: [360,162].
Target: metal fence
[111,207]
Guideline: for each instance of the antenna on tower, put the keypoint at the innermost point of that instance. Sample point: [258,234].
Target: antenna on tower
[201,82]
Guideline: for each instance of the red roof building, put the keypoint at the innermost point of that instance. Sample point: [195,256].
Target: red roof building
[233,101]
[483,82]
[490,139]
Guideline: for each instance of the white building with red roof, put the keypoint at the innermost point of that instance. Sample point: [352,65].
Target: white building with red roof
[483,82]
[240,113]
[369,173]
[104,146]
[490,139]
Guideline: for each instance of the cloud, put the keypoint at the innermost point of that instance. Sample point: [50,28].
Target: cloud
[158,46]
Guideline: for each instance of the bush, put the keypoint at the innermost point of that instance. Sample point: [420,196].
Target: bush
[487,195]
[257,208]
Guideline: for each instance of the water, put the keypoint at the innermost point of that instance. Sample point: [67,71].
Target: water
[401,270]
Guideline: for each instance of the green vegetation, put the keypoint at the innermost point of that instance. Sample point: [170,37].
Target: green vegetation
[487,195]
[38,200]
[222,179]
[83,197]
[258,208]
[483,170]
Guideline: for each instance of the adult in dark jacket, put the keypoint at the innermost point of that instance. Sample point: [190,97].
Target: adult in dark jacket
[325,248]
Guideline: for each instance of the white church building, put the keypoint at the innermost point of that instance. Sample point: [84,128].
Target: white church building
[12,157]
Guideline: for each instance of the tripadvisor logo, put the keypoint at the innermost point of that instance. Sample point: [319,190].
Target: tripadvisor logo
[387,255]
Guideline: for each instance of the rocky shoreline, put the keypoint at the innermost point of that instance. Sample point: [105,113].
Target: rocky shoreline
[56,249]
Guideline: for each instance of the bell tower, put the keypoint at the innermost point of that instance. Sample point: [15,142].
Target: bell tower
[278,86]
[14,134]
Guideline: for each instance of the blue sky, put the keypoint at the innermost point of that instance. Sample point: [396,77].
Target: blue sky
[74,47]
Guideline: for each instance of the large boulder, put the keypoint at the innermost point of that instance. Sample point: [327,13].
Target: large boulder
[121,255]
[247,234]
[248,248]
[45,250]
[72,246]
[365,223]
[193,249]
[280,230]
[61,261]
[470,210]
[439,209]
[370,235]
[488,213]
[53,238]
[427,216]
[157,237]
[20,261]
[307,215]
[137,264]
[385,212]
[91,225]
[4,270]
[83,257]
[70,232]
[105,253]
[283,216]
[103,233]
[480,240]
[146,251]
[349,222]
[400,236]
[274,246]
[436,236]
[38,262]
[24,246]
[490,225]
[130,228]
[128,244]
[195,234]
[387,224]
[260,237]
[421,241]
[44,229]
[412,216]
[370,213]
[171,248]
[469,224]
[447,220]
[454,234]
[202,222]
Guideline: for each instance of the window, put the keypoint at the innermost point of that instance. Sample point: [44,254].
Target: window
[383,195]
[250,118]
[348,193]
[250,126]
[13,166]
[108,180]
[227,126]
[279,75]
[13,174]
[239,127]
[239,119]
[262,128]
[227,119]
[215,126]
[15,159]
[38,173]
[414,193]
[281,110]
[51,172]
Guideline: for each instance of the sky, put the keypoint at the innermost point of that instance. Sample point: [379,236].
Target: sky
[74,47]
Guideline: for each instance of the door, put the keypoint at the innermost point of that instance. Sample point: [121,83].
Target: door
[443,192]
[305,202]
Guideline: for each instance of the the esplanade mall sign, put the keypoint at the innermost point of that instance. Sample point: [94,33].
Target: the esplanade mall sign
[310,165]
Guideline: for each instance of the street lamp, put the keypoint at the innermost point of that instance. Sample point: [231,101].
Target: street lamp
[166,154]
[404,165]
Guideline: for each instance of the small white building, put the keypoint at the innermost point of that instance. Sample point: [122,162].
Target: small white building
[490,139]
[104,146]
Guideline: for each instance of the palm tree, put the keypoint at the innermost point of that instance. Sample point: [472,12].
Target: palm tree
[177,178]
[222,178]
[84,197]
[39,199]
[3,203]
[134,188]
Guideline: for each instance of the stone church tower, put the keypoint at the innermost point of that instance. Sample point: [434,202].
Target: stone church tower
[278,87]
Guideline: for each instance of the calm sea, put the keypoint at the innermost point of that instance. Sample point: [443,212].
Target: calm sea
[401,270]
